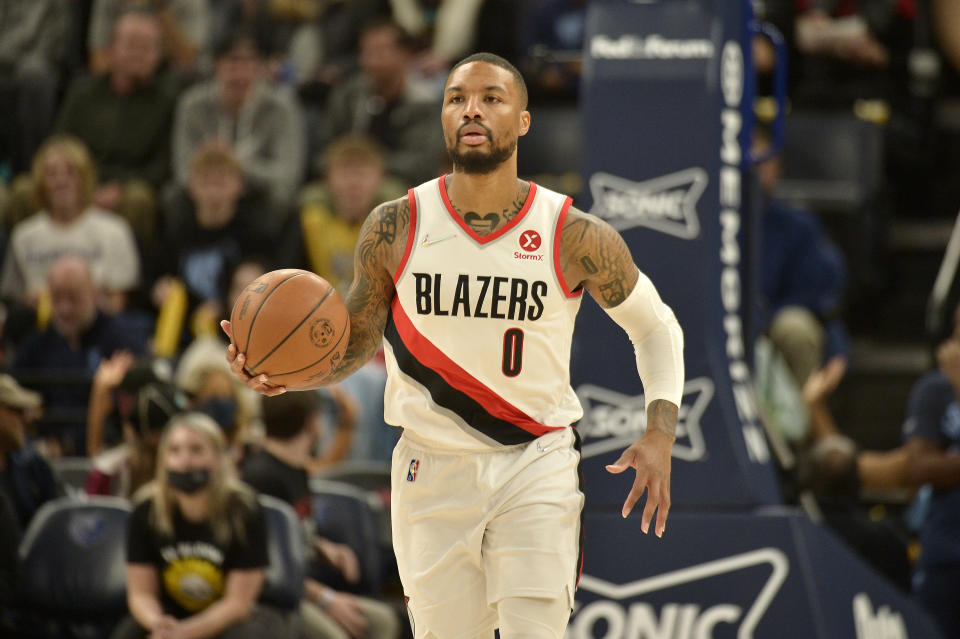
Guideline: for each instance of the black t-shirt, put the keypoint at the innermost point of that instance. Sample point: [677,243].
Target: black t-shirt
[193,567]
[271,476]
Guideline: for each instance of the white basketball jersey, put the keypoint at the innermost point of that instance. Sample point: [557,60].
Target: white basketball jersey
[478,338]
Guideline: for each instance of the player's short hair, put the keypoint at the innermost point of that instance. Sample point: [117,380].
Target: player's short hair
[497,61]
[285,416]
[352,149]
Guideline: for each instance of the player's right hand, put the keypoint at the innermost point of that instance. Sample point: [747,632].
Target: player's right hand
[237,360]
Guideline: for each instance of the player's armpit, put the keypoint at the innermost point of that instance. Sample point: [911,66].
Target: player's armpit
[379,250]
[594,256]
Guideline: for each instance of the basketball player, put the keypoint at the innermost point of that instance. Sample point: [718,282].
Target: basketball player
[472,283]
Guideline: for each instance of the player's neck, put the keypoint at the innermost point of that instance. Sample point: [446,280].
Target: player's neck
[484,192]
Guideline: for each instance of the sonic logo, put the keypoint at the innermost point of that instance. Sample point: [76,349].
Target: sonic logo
[624,611]
[667,204]
[612,420]
[882,624]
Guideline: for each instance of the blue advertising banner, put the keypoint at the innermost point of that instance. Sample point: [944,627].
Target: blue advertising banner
[733,576]
[665,108]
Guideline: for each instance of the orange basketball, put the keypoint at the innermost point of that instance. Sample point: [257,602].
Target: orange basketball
[291,325]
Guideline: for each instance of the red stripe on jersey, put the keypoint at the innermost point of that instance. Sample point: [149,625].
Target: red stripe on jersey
[557,235]
[411,234]
[429,355]
[483,239]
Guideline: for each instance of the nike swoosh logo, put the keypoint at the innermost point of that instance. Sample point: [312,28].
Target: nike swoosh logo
[427,241]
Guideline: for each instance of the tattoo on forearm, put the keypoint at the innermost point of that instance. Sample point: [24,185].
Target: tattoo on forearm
[662,416]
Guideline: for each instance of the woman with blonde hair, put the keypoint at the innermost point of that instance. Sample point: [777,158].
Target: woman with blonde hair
[68,223]
[197,545]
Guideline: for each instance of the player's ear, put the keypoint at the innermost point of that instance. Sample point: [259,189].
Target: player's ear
[524,122]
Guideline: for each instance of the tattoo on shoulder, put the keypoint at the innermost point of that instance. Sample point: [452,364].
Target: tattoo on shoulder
[593,248]
[662,416]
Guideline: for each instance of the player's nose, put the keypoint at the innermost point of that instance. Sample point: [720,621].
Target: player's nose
[472,110]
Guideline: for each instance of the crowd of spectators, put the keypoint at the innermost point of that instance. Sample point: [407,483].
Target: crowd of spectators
[159,155]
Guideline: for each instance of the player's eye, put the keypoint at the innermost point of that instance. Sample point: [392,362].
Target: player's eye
[456,99]
[493,98]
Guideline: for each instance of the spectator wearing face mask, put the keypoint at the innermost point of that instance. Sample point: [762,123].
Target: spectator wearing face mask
[197,544]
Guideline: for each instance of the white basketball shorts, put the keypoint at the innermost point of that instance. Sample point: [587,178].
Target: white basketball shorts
[472,528]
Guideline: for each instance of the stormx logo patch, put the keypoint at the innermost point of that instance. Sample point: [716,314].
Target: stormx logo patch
[625,610]
[667,204]
[612,420]
[412,470]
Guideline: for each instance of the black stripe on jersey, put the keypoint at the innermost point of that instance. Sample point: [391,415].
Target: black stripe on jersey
[445,395]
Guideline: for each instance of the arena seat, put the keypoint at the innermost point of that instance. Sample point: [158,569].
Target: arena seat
[283,586]
[832,161]
[343,513]
[72,473]
[73,558]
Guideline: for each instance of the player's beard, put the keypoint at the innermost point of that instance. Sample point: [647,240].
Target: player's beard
[481,162]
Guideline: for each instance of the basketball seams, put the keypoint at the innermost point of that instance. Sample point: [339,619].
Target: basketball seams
[253,320]
[343,333]
[253,368]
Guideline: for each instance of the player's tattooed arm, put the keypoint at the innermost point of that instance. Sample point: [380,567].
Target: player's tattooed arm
[594,256]
[662,417]
[379,249]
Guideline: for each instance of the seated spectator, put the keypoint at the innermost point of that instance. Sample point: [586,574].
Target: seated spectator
[803,279]
[184,29]
[209,228]
[261,126]
[63,358]
[334,210]
[552,46]
[445,29]
[197,544]
[313,43]
[125,468]
[124,116]
[105,401]
[832,472]
[69,223]
[851,50]
[10,535]
[26,479]
[32,47]
[203,375]
[292,422]
[932,440]
[380,103]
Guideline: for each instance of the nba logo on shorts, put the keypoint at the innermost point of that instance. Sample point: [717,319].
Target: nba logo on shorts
[412,471]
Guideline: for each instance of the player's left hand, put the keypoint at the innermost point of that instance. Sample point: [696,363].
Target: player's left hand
[651,457]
